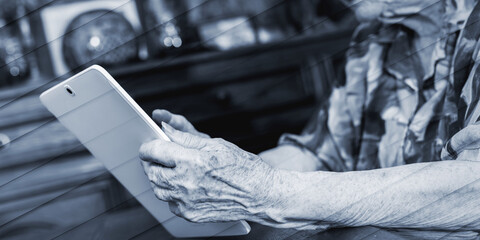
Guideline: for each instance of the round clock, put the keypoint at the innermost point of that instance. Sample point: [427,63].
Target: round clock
[99,37]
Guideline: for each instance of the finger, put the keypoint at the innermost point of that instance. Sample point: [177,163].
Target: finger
[466,139]
[154,151]
[146,166]
[153,177]
[167,154]
[160,115]
[180,122]
[183,138]
[408,10]
[177,121]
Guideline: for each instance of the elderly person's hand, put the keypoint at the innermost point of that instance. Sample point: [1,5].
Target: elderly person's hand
[207,180]
[179,122]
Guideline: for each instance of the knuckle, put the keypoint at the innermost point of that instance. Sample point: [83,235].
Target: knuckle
[213,159]
[181,118]
[221,144]
[178,119]
[175,194]
[149,149]
[161,194]
[144,151]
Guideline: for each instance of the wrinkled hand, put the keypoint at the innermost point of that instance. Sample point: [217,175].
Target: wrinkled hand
[179,122]
[207,180]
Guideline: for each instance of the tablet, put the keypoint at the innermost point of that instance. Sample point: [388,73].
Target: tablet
[111,125]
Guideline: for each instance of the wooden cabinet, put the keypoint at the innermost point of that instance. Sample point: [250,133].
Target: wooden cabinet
[49,183]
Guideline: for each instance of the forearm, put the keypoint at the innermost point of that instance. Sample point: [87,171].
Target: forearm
[441,195]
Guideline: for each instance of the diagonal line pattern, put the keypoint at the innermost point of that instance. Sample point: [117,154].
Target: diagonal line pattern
[436,201]
[176,56]
[200,43]
[427,165]
[120,125]
[56,157]
[312,65]
[77,68]
[70,190]
[55,198]
[366,197]
[102,213]
[177,16]
[40,7]
[460,228]
[396,182]
[145,231]
[68,32]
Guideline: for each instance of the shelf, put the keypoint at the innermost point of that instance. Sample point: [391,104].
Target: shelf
[338,36]
[328,42]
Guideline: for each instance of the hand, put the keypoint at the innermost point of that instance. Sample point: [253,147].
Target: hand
[207,180]
[179,122]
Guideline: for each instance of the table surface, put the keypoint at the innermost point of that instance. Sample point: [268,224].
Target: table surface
[138,224]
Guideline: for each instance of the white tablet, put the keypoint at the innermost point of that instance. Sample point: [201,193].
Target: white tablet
[111,125]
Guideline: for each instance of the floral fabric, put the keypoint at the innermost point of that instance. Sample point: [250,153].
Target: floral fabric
[409,88]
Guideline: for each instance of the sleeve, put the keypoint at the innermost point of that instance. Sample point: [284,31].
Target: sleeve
[330,146]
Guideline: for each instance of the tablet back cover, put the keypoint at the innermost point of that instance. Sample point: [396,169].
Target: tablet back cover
[112,128]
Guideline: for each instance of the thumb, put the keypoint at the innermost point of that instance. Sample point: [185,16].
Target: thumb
[183,138]
[466,139]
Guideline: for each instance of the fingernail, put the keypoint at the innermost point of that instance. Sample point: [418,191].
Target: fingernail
[157,112]
[167,127]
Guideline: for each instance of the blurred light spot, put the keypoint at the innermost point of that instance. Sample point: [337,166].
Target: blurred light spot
[94,41]
[14,71]
[167,42]
[177,42]
[170,29]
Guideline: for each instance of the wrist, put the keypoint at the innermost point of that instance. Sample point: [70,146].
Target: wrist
[277,197]
[302,196]
[284,194]
[290,202]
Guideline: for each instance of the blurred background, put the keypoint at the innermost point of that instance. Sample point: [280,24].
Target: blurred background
[246,71]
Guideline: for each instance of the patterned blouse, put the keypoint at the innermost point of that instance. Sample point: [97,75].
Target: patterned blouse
[410,85]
